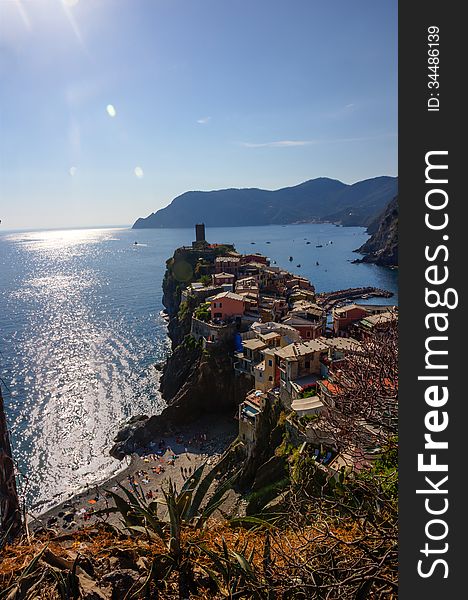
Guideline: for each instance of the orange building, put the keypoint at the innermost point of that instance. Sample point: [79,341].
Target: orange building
[227,305]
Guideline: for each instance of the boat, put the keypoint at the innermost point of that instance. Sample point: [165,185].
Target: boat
[268,242]
[298,265]
[307,242]
[319,246]
[317,263]
[252,242]
[291,259]
[135,243]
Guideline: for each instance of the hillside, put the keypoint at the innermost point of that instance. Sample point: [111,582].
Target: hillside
[320,199]
[382,247]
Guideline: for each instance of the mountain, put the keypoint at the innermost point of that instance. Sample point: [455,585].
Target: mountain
[320,199]
[382,247]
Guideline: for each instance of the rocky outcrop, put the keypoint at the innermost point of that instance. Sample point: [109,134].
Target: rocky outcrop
[382,247]
[194,381]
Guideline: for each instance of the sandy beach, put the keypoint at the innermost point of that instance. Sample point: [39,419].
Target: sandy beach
[174,458]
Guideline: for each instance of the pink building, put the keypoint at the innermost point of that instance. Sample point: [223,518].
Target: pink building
[227,305]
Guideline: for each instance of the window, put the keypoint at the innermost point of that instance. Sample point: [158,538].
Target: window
[308,333]
[270,363]
[270,378]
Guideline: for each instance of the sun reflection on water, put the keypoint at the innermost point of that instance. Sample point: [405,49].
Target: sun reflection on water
[77,362]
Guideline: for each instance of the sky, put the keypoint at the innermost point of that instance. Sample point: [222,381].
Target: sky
[111,108]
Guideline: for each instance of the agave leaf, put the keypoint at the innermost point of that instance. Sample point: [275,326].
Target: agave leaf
[152,521]
[216,499]
[10,593]
[144,531]
[214,577]
[201,492]
[260,522]
[153,507]
[130,495]
[243,562]
[183,503]
[193,481]
[142,588]
[121,504]
[33,563]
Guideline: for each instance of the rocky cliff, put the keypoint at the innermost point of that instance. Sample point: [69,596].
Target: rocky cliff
[382,247]
[194,381]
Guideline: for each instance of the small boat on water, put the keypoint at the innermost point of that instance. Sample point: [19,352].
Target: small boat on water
[317,263]
[268,242]
[291,259]
[319,246]
[135,243]
[298,265]
[307,242]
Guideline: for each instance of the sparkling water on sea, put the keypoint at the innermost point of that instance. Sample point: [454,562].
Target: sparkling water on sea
[80,331]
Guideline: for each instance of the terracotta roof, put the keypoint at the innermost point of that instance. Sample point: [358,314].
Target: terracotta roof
[333,388]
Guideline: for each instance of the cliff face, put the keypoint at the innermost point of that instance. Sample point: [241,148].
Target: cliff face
[382,247]
[194,381]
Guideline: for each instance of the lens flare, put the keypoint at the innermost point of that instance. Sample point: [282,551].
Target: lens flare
[138,172]
[110,108]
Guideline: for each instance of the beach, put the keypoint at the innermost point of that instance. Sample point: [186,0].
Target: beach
[148,471]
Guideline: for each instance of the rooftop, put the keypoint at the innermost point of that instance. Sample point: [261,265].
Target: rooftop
[301,404]
[380,318]
[296,349]
[344,309]
[231,259]
[273,335]
[255,396]
[254,344]
[332,388]
[292,319]
[341,343]
[229,295]
[223,275]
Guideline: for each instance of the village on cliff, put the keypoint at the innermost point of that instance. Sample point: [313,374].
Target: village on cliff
[287,342]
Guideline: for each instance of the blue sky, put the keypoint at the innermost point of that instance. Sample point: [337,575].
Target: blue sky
[111,108]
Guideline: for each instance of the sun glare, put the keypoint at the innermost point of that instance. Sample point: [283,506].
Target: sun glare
[111,110]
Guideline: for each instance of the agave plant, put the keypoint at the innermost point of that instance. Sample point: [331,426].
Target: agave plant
[233,572]
[186,508]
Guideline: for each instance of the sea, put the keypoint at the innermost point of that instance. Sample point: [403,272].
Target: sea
[81,330]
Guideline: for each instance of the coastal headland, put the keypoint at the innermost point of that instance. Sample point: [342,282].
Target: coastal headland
[227,315]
